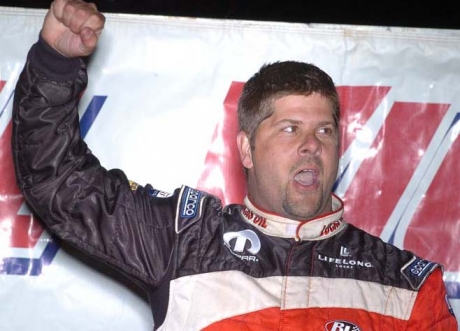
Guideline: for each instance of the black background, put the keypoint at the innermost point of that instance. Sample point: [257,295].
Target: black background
[418,14]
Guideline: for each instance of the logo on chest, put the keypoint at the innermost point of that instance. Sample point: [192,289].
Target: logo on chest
[345,260]
[341,326]
[241,242]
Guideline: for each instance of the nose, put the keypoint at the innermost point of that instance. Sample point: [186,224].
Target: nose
[310,144]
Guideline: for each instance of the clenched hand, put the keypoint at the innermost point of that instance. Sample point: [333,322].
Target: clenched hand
[73,27]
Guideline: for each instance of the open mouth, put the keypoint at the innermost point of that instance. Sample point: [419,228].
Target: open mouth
[306,177]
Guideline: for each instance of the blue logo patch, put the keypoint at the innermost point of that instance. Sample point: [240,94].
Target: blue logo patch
[417,270]
[190,203]
[420,267]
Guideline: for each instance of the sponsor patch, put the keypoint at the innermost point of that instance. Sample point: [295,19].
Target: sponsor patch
[243,241]
[158,194]
[133,185]
[189,207]
[190,203]
[341,326]
[253,218]
[344,251]
[417,270]
[330,228]
[345,261]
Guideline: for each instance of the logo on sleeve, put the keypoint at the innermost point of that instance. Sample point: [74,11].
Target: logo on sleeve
[417,270]
[158,194]
[133,185]
[419,267]
[190,203]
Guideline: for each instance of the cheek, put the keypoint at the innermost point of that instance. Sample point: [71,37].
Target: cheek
[264,160]
[272,169]
[331,160]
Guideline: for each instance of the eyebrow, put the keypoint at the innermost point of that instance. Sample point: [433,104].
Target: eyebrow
[293,121]
[288,120]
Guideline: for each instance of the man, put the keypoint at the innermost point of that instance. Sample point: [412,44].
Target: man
[284,260]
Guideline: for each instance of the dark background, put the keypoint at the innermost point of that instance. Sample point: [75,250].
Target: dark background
[422,14]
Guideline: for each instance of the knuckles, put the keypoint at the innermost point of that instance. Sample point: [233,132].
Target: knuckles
[79,14]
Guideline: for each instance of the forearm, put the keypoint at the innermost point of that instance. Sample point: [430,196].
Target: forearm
[65,185]
[45,121]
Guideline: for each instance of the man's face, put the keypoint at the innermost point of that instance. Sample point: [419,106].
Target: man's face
[294,161]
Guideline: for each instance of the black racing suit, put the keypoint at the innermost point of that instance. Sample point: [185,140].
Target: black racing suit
[205,266]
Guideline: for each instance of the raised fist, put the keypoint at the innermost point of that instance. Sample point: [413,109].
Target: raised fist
[72,27]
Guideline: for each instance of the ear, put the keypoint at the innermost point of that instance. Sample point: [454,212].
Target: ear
[244,148]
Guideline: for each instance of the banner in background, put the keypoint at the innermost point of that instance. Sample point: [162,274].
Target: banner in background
[161,105]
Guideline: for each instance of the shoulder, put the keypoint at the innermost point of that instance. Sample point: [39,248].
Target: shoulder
[399,266]
[417,270]
[193,205]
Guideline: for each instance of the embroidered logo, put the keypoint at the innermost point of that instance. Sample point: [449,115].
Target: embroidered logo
[158,194]
[190,203]
[241,241]
[331,227]
[256,219]
[133,185]
[344,252]
[341,326]
[420,267]
[345,261]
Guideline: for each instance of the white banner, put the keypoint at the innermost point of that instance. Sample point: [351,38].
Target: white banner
[161,106]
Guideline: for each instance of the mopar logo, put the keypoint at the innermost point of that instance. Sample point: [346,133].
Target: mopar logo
[243,240]
[190,203]
[341,326]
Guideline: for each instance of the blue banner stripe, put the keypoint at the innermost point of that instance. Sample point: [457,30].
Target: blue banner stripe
[32,267]
[91,113]
[340,177]
[453,290]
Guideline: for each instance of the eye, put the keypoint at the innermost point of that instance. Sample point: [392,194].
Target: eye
[326,130]
[290,129]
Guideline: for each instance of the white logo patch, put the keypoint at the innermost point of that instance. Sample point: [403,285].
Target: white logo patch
[341,326]
[240,240]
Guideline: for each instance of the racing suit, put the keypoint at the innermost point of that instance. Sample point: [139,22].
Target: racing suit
[205,266]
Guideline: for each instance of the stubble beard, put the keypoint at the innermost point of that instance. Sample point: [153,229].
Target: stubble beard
[310,204]
[309,207]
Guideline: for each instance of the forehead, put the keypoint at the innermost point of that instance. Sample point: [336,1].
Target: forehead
[313,106]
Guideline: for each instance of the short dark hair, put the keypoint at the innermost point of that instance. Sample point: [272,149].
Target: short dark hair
[279,79]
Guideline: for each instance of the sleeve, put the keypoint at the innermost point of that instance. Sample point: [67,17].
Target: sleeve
[80,201]
[432,310]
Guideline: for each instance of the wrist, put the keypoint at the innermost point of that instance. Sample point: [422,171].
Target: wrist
[51,63]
